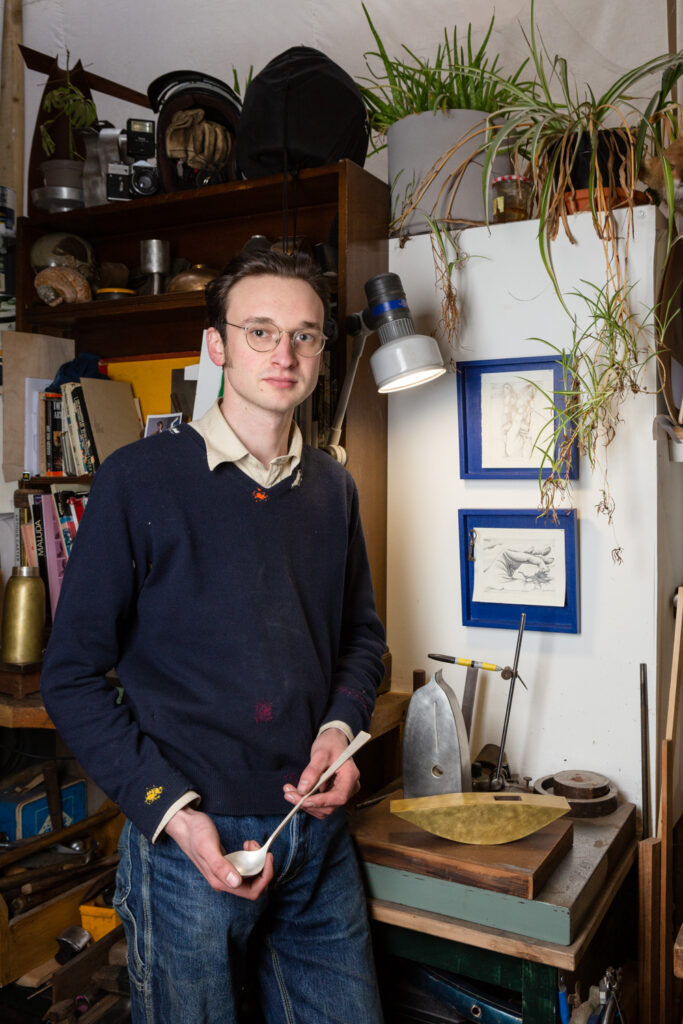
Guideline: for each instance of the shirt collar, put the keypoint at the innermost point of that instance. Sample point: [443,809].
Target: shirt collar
[223,444]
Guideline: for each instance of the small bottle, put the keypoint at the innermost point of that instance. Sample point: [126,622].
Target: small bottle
[23,617]
[511,198]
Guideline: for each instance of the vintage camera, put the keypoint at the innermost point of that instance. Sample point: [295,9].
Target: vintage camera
[120,164]
[138,175]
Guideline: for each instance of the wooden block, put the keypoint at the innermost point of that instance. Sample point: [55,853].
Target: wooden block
[118,954]
[519,869]
[112,978]
[39,975]
[602,846]
[17,683]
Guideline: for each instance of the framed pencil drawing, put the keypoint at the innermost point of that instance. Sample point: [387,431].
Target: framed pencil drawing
[514,561]
[506,417]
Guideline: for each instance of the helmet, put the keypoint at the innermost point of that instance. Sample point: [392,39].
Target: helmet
[197,122]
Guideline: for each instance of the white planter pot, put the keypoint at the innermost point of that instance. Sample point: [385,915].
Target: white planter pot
[62,173]
[416,143]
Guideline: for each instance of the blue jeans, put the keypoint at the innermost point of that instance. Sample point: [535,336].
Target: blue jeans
[306,938]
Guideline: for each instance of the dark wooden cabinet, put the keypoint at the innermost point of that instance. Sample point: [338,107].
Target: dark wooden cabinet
[340,203]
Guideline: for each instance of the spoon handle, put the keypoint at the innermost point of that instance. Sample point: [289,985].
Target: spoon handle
[356,743]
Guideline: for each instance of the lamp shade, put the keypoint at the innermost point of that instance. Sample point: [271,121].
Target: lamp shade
[406,362]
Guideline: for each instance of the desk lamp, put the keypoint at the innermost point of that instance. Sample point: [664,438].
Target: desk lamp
[404,359]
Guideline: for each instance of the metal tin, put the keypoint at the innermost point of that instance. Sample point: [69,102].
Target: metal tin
[8,208]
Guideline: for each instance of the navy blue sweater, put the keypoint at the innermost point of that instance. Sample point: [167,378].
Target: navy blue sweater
[239,620]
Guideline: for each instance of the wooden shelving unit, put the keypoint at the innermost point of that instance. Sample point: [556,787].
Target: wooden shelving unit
[341,204]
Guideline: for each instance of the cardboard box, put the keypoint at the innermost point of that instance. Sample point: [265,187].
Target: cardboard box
[26,814]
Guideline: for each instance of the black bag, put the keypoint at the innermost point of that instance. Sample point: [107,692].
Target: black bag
[302,110]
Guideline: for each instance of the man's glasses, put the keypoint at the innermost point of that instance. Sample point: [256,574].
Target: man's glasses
[264,336]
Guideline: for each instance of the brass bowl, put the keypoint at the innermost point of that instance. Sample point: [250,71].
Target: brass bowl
[194,279]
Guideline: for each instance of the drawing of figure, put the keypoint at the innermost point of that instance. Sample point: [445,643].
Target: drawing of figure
[517,413]
[514,568]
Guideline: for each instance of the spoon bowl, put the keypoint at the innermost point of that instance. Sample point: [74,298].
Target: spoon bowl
[251,862]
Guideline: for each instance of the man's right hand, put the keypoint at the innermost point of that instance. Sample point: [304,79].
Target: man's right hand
[197,836]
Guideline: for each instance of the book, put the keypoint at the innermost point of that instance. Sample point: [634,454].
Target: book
[29,544]
[112,413]
[54,465]
[85,438]
[77,507]
[60,496]
[71,427]
[36,509]
[33,388]
[54,550]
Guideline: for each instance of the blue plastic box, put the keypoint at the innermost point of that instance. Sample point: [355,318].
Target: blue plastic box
[25,814]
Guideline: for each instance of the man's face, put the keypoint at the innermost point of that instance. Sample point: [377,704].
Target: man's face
[275,381]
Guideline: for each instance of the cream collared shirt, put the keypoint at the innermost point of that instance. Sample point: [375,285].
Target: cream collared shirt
[223,445]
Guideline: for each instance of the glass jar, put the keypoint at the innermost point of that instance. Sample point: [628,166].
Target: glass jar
[511,198]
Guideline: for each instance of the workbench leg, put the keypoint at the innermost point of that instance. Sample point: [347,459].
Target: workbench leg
[539,993]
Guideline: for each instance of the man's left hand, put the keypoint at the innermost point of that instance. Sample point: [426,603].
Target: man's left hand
[341,787]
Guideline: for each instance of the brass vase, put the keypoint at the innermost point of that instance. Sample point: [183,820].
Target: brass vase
[23,617]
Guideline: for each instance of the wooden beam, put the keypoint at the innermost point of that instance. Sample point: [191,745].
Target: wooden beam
[12,103]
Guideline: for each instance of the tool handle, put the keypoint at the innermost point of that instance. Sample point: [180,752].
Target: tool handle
[452,659]
[356,743]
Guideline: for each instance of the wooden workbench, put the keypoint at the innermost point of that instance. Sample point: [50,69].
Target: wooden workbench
[583,886]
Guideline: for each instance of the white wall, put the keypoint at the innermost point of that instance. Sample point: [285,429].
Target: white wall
[582,708]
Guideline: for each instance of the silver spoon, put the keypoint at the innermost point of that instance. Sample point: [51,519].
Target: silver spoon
[252,862]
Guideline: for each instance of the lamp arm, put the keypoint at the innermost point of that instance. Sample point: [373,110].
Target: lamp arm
[356,324]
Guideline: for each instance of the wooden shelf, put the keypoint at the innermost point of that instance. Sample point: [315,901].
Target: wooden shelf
[341,204]
[158,308]
[23,712]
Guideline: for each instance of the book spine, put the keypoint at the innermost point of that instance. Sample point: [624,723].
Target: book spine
[47,405]
[90,459]
[56,559]
[36,507]
[42,465]
[53,433]
[66,525]
[72,428]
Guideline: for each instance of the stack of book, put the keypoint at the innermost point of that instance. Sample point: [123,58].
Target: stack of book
[47,527]
[71,431]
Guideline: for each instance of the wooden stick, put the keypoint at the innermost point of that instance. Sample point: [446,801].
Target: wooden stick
[649,866]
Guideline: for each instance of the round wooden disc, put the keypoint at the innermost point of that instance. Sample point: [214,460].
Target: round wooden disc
[580,785]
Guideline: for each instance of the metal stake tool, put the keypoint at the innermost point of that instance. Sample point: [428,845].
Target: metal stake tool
[498,781]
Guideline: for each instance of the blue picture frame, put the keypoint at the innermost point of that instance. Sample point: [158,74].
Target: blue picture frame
[469,383]
[565,619]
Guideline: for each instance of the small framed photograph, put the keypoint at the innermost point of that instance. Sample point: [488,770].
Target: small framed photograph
[506,416]
[514,561]
[161,422]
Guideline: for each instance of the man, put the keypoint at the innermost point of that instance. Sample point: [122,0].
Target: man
[221,568]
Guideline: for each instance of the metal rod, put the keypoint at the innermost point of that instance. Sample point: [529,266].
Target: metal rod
[497,780]
[644,752]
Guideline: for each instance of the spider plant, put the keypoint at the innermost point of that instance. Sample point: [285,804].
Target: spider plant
[448,258]
[606,363]
[549,124]
[458,78]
